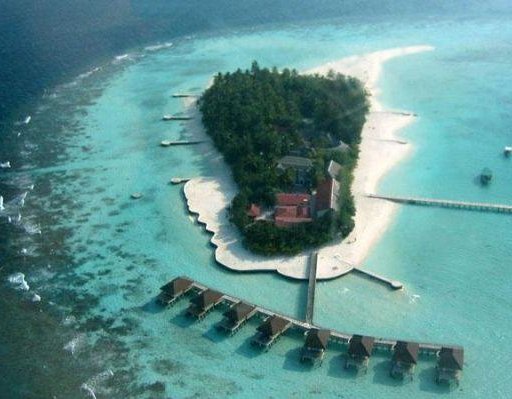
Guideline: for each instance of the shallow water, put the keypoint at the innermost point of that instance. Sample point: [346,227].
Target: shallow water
[101,256]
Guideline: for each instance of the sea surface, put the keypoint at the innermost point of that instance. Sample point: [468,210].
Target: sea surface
[80,320]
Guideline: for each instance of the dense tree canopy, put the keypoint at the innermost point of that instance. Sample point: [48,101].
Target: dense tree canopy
[257,116]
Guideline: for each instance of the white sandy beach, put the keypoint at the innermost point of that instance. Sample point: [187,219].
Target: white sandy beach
[381,149]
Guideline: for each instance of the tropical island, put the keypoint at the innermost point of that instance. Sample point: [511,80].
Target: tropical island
[292,142]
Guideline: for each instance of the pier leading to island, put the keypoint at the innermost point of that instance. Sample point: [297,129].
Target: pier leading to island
[464,205]
[310,307]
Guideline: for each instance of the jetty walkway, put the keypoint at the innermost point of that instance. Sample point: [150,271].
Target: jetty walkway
[382,344]
[472,206]
[310,307]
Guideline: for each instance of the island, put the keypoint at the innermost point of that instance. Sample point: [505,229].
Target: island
[292,143]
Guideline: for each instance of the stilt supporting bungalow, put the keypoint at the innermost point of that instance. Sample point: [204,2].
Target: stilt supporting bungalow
[203,303]
[173,290]
[314,348]
[270,331]
[236,317]
[359,351]
[450,362]
[405,358]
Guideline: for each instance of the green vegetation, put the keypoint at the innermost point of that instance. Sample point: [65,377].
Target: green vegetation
[257,116]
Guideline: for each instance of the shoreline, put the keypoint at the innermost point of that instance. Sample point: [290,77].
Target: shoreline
[380,145]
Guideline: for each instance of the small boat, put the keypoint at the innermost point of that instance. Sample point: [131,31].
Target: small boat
[507,151]
[165,143]
[167,118]
[27,120]
[175,118]
[486,176]
[5,165]
[136,195]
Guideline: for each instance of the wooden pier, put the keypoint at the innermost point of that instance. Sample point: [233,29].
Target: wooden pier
[380,344]
[394,284]
[184,95]
[167,118]
[472,206]
[169,143]
[310,307]
[179,180]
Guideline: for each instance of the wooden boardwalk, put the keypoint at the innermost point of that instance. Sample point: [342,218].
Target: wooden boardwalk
[310,307]
[396,285]
[473,206]
[383,344]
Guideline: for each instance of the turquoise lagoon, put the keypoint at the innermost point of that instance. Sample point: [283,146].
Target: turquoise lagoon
[454,264]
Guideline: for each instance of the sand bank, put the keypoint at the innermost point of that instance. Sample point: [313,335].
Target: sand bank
[381,149]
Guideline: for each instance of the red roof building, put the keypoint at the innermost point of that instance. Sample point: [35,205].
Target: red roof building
[327,194]
[254,211]
[292,209]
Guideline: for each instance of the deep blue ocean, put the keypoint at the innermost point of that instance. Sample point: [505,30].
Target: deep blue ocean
[95,77]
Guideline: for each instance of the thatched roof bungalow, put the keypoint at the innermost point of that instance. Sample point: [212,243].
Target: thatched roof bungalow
[270,330]
[359,352]
[173,290]
[450,362]
[236,316]
[405,358]
[204,302]
[315,345]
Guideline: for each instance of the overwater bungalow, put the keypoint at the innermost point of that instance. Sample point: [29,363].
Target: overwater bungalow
[173,290]
[450,362]
[314,348]
[203,303]
[359,351]
[405,358]
[270,331]
[236,316]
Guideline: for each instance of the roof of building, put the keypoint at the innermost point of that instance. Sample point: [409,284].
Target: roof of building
[451,358]
[288,199]
[288,222]
[206,298]
[361,345]
[406,352]
[333,169]
[254,211]
[290,161]
[327,194]
[317,339]
[239,311]
[273,325]
[176,286]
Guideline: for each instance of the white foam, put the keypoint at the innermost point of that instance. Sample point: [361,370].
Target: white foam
[5,165]
[75,344]
[157,47]
[2,207]
[18,281]
[89,73]
[90,385]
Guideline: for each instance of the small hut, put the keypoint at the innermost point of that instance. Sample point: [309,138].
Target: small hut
[173,290]
[315,346]
[270,331]
[359,351]
[236,316]
[405,358]
[450,362]
[203,303]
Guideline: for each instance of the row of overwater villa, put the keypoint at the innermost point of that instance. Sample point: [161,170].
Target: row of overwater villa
[359,348]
